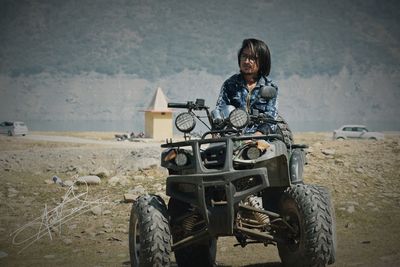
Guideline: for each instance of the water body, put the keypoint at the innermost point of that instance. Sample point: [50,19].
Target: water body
[129,126]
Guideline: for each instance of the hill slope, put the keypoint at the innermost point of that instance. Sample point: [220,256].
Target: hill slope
[64,58]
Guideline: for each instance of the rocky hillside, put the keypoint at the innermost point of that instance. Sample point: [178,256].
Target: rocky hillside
[84,66]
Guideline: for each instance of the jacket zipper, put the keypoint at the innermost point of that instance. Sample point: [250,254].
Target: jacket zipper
[248,100]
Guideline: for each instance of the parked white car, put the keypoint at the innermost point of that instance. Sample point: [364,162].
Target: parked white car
[356,131]
[13,128]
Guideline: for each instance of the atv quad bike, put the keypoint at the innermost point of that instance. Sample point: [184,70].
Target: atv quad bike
[229,183]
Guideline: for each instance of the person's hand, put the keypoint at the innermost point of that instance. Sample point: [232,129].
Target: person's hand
[262,145]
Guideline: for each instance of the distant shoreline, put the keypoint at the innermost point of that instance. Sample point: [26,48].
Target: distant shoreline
[137,126]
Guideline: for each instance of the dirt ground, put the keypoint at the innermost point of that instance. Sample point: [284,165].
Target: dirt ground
[46,224]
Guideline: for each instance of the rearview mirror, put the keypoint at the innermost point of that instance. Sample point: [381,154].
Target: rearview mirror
[268,92]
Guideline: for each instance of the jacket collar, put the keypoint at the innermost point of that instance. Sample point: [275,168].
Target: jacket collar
[262,81]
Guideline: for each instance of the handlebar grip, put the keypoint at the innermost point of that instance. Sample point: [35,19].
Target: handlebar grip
[178,105]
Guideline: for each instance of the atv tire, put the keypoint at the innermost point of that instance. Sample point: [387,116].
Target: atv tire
[327,195]
[311,237]
[284,130]
[195,255]
[149,233]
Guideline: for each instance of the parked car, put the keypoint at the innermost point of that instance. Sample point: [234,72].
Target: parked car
[356,131]
[13,128]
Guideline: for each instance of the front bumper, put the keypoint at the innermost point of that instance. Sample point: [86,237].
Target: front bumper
[217,195]
[216,192]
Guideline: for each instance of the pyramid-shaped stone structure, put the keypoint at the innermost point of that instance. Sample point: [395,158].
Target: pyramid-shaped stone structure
[159,103]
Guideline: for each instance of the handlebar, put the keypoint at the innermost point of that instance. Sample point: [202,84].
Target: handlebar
[178,105]
[198,105]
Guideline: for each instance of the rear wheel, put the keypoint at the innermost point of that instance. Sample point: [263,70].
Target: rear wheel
[310,238]
[149,234]
[10,133]
[284,130]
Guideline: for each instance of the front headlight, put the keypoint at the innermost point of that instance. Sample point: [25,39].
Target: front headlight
[185,122]
[181,159]
[251,153]
[238,118]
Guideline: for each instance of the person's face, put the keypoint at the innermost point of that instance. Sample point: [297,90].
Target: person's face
[248,62]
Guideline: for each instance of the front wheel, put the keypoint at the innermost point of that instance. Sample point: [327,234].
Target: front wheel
[310,238]
[149,234]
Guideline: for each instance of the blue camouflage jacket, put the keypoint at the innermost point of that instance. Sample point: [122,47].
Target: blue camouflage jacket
[234,92]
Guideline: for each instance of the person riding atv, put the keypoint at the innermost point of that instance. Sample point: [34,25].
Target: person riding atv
[228,183]
[243,178]
[242,90]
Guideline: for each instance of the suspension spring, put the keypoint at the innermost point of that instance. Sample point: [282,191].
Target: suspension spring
[255,203]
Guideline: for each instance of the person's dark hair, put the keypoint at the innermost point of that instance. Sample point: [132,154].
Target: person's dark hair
[261,51]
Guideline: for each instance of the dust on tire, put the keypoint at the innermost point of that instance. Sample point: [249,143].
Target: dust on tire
[149,234]
[307,208]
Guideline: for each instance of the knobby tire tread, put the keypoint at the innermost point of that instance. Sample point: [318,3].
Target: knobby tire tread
[314,205]
[155,243]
